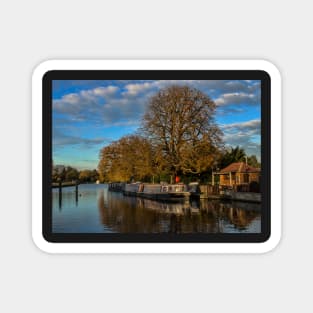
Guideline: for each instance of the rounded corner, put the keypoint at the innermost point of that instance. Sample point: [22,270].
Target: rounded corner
[270,68]
[271,243]
[41,242]
[43,68]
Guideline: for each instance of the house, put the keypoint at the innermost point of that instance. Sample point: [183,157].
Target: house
[239,173]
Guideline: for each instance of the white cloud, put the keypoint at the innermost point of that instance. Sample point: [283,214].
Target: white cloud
[237,98]
[135,89]
[105,91]
[252,125]
[86,104]
[245,134]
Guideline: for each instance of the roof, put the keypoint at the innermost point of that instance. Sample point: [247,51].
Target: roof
[240,167]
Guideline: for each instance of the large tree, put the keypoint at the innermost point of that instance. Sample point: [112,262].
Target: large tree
[129,158]
[179,121]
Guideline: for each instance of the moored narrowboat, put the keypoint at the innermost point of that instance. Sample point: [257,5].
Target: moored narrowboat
[161,192]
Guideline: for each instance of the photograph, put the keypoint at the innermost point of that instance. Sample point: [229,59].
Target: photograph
[156,156]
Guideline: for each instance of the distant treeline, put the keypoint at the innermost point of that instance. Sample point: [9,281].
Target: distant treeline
[68,174]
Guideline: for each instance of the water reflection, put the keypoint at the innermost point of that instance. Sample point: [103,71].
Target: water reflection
[138,215]
[98,210]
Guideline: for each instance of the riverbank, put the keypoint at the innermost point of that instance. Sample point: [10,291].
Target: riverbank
[157,192]
[64,184]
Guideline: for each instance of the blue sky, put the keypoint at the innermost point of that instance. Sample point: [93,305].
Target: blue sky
[88,115]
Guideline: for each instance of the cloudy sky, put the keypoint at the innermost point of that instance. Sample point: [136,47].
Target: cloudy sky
[87,115]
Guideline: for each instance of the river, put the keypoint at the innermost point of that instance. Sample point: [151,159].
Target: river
[98,210]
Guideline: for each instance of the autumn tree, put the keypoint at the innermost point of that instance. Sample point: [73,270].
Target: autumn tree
[129,158]
[179,122]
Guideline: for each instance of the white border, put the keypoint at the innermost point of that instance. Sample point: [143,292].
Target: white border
[42,68]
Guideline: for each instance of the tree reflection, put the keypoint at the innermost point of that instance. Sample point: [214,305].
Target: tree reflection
[137,215]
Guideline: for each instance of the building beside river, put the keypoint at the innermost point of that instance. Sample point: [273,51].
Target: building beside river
[239,173]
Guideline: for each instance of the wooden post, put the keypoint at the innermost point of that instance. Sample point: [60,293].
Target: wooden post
[76,190]
[230,180]
[60,193]
[231,213]
[212,178]
[60,186]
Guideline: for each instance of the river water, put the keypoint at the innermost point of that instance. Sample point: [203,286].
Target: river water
[98,210]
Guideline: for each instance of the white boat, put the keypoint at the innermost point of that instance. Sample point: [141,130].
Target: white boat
[161,192]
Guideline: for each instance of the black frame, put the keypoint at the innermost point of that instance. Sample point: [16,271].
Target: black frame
[156,75]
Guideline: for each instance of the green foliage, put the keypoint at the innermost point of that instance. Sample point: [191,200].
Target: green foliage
[237,154]
[232,155]
[69,174]
[253,161]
